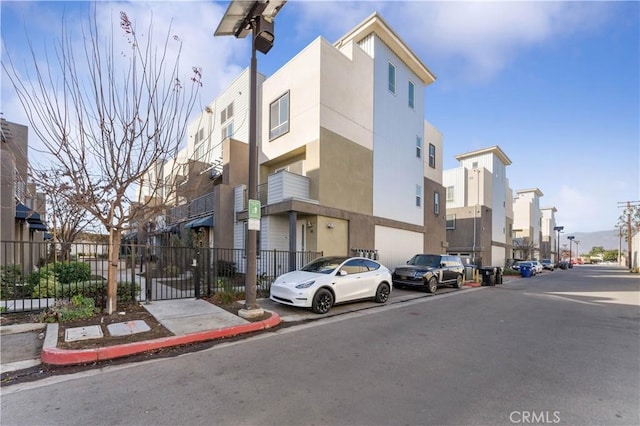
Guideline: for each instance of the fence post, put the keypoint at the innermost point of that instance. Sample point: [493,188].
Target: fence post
[133,272]
[148,278]
[197,274]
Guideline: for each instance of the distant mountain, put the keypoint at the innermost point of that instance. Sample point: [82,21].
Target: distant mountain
[608,240]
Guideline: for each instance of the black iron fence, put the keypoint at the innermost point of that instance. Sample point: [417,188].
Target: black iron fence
[34,275]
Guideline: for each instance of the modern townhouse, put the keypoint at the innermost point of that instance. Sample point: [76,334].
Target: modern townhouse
[479,207]
[196,188]
[527,224]
[345,166]
[548,243]
[22,208]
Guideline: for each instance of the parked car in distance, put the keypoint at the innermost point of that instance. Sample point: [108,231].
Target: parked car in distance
[536,264]
[430,271]
[548,264]
[326,281]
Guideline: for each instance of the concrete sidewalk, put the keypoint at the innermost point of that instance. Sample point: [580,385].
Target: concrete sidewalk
[190,320]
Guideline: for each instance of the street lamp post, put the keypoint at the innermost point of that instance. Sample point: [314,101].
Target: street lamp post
[570,238]
[240,19]
[558,229]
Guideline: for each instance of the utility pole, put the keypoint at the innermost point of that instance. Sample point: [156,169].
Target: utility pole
[628,206]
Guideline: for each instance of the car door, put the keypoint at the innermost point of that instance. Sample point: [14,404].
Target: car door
[352,281]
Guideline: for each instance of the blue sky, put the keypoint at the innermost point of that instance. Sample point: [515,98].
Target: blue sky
[554,84]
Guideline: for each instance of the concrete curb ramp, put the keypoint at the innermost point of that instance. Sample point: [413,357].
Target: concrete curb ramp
[56,356]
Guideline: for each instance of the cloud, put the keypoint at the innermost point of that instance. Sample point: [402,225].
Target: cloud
[469,41]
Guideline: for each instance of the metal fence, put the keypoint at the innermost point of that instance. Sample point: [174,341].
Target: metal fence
[34,275]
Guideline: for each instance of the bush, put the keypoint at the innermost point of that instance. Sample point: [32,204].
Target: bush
[171,271]
[79,308]
[68,272]
[96,289]
[10,281]
[225,268]
[42,283]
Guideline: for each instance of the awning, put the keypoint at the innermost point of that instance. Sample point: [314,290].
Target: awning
[206,222]
[23,212]
[37,226]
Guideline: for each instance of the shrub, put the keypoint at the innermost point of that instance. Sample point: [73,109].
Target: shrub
[68,272]
[10,281]
[79,308]
[96,289]
[225,268]
[171,271]
[42,283]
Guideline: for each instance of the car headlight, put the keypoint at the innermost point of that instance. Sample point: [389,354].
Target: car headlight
[418,274]
[305,284]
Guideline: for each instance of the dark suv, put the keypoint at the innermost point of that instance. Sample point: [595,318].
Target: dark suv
[430,271]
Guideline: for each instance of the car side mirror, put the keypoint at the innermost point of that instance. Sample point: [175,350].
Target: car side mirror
[342,273]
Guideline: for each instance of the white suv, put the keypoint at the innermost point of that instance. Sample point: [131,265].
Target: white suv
[537,265]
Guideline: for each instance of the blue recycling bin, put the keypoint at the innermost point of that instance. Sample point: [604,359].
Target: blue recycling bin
[526,271]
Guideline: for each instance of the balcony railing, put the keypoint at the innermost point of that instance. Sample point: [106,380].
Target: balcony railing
[197,207]
[281,186]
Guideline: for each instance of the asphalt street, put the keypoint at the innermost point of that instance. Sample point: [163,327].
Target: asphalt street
[559,348]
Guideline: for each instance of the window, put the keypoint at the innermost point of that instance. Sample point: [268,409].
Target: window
[432,156]
[226,113]
[418,195]
[450,193]
[474,165]
[418,147]
[200,151]
[436,203]
[451,221]
[392,78]
[227,130]
[412,94]
[279,117]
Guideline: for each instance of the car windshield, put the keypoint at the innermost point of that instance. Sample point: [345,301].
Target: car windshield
[323,265]
[430,260]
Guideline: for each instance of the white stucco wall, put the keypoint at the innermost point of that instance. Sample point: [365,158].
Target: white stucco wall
[396,169]
[396,246]
[301,78]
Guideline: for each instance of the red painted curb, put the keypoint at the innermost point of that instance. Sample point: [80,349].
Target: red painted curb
[56,356]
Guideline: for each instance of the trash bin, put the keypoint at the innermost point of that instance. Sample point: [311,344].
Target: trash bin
[499,272]
[468,272]
[526,271]
[488,275]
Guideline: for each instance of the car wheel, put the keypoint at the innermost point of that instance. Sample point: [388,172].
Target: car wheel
[382,294]
[459,281]
[322,301]
[432,285]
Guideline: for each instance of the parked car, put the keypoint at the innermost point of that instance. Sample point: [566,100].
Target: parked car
[330,280]
[538,266]
[548,264]
[430,271]
[563,264]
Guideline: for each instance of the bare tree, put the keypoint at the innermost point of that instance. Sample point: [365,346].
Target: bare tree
[107,117]
[525,246]
[67,217]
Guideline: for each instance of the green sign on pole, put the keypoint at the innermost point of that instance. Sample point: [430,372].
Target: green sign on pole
[254,215]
